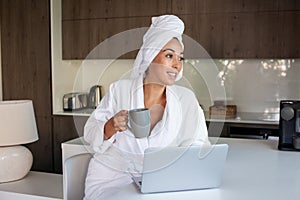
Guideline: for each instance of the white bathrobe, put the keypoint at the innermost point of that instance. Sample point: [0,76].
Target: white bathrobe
[183,123]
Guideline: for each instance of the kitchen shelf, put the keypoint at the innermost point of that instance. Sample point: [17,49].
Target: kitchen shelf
[83,112]
[241,117]
[249,118]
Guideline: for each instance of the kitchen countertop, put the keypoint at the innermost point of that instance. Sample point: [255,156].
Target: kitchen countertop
[241,117]
[248,117]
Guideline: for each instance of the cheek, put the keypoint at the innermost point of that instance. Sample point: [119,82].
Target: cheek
[156,61]
[162,60]
[166,63]
[157,68]
[180,66]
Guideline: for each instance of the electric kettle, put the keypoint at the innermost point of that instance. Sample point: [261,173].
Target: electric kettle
[94,96]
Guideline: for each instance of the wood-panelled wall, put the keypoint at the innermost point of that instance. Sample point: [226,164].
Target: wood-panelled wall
[26,71]
[26,67]
[225,28]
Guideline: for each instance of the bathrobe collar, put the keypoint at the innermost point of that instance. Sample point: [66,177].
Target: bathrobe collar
[169,125]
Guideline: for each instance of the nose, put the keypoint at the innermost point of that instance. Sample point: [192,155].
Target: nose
[177,64]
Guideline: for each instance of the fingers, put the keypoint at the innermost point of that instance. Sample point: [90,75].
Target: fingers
[120,120]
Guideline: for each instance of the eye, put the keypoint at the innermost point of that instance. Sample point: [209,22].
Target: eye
[181,58]
[169,56]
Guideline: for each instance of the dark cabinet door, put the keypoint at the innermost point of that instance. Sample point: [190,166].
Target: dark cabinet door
[217,129]
[65,128]
[26,69]
[87,23]
[242,29]
[235,29]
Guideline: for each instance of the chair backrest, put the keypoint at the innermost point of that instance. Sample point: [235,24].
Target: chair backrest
[75,173]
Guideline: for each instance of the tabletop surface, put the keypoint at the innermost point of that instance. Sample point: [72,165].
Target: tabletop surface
[36,185]
[255,169]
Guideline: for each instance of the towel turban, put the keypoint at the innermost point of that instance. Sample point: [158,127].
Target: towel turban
[162,30]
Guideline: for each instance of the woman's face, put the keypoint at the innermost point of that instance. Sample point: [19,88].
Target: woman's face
[166,66]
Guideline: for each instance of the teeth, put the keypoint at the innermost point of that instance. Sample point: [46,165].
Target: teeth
[172,74]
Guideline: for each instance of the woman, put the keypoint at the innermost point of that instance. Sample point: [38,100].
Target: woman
[176,117]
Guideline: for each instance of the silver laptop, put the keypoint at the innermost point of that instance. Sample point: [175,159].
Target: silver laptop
[182,168]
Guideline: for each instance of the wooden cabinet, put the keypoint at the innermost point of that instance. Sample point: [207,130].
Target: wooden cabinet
[26,69]
[242,29]
[217,129]
[65,128]
[82,39]
[262,131]
[97,9]
[235,29]
[87,23]
[242,130]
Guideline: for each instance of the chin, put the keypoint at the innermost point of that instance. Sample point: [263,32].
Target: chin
[170,82]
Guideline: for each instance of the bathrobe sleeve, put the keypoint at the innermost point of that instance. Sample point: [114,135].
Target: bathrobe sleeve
[94,127]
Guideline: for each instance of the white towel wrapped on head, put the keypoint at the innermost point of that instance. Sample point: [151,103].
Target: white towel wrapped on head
[162,30]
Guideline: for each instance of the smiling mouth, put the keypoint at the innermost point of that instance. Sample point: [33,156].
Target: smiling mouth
[172,74]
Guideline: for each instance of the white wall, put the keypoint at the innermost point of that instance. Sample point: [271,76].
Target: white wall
[258,85]
[254,85]
[63,73]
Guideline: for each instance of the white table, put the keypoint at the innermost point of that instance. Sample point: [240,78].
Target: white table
[255,170]
[35,186]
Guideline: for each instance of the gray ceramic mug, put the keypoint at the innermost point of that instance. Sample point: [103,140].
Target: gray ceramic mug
[139,122]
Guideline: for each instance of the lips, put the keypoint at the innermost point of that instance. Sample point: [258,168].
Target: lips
[172,74]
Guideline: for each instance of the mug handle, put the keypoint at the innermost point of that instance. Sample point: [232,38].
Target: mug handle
[128,126]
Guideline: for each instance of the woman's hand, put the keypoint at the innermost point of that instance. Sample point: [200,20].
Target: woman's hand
[116,123]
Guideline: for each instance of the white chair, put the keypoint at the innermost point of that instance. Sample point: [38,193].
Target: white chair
[74,174]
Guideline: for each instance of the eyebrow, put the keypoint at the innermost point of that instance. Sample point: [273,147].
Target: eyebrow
[168,49]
